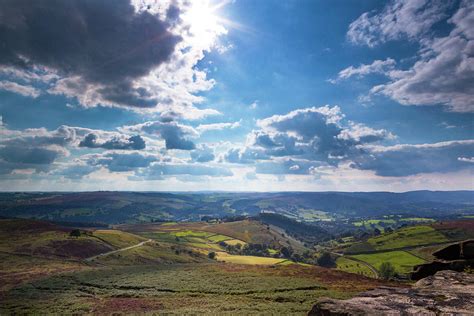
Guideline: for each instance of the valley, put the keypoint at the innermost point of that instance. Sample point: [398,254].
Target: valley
[266,262]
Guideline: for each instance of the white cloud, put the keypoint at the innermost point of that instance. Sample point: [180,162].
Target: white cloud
[378,66]
[217,126]
[399,19]
[24,90]
[444,71]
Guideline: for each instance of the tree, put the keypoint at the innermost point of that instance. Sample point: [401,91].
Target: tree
[387,271]
[326,260]
[286,252]
[75,233]
[212,255]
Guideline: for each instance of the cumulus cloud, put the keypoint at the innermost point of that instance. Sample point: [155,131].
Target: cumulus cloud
[117,162]
[405,160]
[24,90]
[176,135]
[202,154]
[317,132]
[399,19]
[33,148]
[444,70]
[142,55]
[97,43]
[132,143]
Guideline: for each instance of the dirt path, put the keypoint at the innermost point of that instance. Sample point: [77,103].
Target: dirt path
[118,250]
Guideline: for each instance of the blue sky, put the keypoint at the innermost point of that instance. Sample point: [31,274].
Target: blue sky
[237,95]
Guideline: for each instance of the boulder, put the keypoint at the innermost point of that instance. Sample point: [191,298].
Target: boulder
[445,293]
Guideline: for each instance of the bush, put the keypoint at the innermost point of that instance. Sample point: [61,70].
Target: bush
[387,271]
[211,255]
[75,233]
[326,260]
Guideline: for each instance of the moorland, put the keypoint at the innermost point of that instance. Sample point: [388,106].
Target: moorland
[128,252]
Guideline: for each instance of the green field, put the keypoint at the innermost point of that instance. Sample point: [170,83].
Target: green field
[351,266]
[223,256]
[401,260]
[407,237]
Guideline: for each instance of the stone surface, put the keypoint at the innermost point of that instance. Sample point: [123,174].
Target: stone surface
[445,293]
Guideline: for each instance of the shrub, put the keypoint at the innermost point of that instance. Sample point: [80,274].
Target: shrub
[387,271]
[211,255]
[326,260]
[75,233]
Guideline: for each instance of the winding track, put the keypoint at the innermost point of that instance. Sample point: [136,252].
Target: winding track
[118,250]
[374,271]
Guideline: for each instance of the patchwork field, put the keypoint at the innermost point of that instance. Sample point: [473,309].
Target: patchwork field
[402,261]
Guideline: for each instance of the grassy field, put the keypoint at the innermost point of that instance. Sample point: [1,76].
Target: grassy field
[401,260]
[407,237]
[351,266]
[180,289]
[118,239]
[225,257]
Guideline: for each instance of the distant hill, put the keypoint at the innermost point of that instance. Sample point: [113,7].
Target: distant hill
[129,207]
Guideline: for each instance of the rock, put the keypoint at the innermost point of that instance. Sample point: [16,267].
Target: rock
[455,257]
[445,293]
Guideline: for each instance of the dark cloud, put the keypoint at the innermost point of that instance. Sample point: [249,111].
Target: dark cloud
[133,143]
[100,42]
[34,148]
[175,134]
[317,134]
[122,162]
[35,155]
[405,160]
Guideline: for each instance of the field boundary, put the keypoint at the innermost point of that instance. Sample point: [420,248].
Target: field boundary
[369,252]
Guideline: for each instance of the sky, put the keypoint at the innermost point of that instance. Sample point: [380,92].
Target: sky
[241,95]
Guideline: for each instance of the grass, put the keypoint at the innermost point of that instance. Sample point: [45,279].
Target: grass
[223,256]
[402,261]
[117,238]
[234,242]
[407,237]
[183,289]
[351,266]
[219,238]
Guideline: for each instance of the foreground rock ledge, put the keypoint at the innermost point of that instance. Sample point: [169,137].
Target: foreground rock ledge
[446,292]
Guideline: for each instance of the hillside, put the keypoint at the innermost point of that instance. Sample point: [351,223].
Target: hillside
[128,207]
[159,268]
[405,247]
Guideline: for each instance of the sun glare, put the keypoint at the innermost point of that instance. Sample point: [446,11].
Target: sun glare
[204,21]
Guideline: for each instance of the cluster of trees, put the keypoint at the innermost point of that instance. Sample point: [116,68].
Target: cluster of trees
[326,260]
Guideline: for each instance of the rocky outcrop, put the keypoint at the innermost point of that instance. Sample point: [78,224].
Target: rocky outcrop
[455,257]
[445,293]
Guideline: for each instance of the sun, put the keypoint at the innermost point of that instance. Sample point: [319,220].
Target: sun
[205,25]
